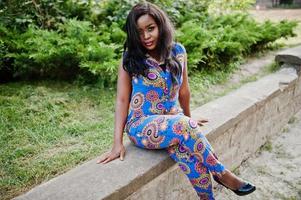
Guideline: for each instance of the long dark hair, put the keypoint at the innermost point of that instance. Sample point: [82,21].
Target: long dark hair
[135,53]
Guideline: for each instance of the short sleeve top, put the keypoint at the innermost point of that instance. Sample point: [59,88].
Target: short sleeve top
[154,94]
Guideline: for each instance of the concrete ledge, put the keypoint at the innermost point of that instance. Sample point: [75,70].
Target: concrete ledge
[239,123]
[115,180]
[242,120]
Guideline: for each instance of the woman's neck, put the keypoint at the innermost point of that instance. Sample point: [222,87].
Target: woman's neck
[155,56]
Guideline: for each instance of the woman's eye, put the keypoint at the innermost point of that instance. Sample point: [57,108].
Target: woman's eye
[150,29]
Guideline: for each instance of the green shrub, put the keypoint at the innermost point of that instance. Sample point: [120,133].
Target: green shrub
[270,32]
[46,14]
[3,51]
[181,11]
[74,48]
[110,11]
[116,11]
[91,45]
[222,40]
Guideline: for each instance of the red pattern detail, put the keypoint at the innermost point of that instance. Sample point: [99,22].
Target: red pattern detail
[211,160]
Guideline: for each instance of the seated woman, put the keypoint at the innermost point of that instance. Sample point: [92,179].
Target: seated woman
[152,77]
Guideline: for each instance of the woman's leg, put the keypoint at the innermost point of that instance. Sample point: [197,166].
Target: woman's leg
[186,145]
[194,169]
[195,157]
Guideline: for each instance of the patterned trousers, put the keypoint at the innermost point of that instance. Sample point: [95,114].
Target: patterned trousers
[185,144]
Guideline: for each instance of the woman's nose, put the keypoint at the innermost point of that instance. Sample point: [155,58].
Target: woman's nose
[146,35]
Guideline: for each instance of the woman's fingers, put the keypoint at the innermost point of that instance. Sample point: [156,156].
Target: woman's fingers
[103,158]
[116,152]
[108,160]
[109,157]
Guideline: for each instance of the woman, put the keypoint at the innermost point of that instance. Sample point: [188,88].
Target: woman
[151,78]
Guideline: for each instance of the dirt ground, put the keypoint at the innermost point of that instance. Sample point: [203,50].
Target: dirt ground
[275,169]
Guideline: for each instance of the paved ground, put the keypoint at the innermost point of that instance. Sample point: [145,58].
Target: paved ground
[277,14]
[275,169]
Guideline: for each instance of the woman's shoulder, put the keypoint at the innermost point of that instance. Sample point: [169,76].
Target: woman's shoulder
[178,48]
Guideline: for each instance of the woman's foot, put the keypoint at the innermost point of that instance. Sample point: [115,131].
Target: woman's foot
[232,182]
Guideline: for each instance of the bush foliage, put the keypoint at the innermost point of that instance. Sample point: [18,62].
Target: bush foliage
[68,39]
[222,40]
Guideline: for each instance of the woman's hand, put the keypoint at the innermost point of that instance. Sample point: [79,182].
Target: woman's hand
[117,151]
[202,121]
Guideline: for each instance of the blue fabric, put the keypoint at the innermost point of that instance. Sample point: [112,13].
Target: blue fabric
[155,121]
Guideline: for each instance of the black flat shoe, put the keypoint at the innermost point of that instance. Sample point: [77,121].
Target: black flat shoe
[246,189]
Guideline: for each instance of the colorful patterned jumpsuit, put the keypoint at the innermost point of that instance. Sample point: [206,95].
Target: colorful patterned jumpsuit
[155,122]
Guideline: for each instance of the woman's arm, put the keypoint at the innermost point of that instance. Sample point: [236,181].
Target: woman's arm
[124,90]
[184,92]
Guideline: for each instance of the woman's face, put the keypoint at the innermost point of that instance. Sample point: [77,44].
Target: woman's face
[148,31]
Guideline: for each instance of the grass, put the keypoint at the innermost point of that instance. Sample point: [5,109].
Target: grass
[292,120]
[272,67]
[201,82]
[266,147]
[285,129]
[49,127]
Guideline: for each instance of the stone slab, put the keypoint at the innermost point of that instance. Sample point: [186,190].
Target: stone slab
[114,180]
[290,56]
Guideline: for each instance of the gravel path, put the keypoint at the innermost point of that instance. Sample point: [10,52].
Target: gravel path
[275,169]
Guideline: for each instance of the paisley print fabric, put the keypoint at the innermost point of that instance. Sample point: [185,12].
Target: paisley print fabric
[155,121]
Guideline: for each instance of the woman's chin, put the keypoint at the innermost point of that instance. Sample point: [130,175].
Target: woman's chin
[150,48]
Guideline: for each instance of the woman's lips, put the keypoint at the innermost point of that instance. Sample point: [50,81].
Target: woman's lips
[148,44]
